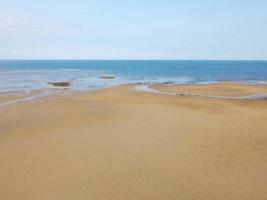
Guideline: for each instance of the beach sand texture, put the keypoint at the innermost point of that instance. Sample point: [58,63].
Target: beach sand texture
[120,143]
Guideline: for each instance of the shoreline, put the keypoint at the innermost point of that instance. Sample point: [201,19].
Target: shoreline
[9,98]
[153,89]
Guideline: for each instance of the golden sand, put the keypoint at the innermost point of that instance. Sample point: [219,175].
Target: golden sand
[124,144]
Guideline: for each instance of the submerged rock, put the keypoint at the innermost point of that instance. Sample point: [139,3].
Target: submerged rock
[168,83]
[60,84]
[107,77]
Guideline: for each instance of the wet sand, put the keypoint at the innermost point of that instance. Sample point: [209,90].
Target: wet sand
[228,89]
[120,143]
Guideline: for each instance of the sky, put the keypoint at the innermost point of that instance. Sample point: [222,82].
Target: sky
[140,29]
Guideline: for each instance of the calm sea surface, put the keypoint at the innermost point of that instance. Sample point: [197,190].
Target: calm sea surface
[18,75]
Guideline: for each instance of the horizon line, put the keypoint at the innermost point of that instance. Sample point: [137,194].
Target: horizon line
[122,59]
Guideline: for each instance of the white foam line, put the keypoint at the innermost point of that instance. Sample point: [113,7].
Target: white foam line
[30,98]
[147,88]
[249,97]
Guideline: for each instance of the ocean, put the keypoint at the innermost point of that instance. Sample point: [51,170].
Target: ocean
[28,75]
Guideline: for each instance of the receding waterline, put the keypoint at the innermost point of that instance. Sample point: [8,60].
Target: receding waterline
[147,88]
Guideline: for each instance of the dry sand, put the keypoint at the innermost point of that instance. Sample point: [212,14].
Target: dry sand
[124,144]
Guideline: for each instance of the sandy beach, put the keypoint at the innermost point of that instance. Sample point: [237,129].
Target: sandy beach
[120,143]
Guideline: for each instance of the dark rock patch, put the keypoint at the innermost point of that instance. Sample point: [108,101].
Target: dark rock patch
[61,84]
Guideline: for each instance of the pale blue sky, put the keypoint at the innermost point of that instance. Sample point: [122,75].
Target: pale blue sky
[123,29]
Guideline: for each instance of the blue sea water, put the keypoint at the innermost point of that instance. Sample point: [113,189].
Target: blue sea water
[23,75]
